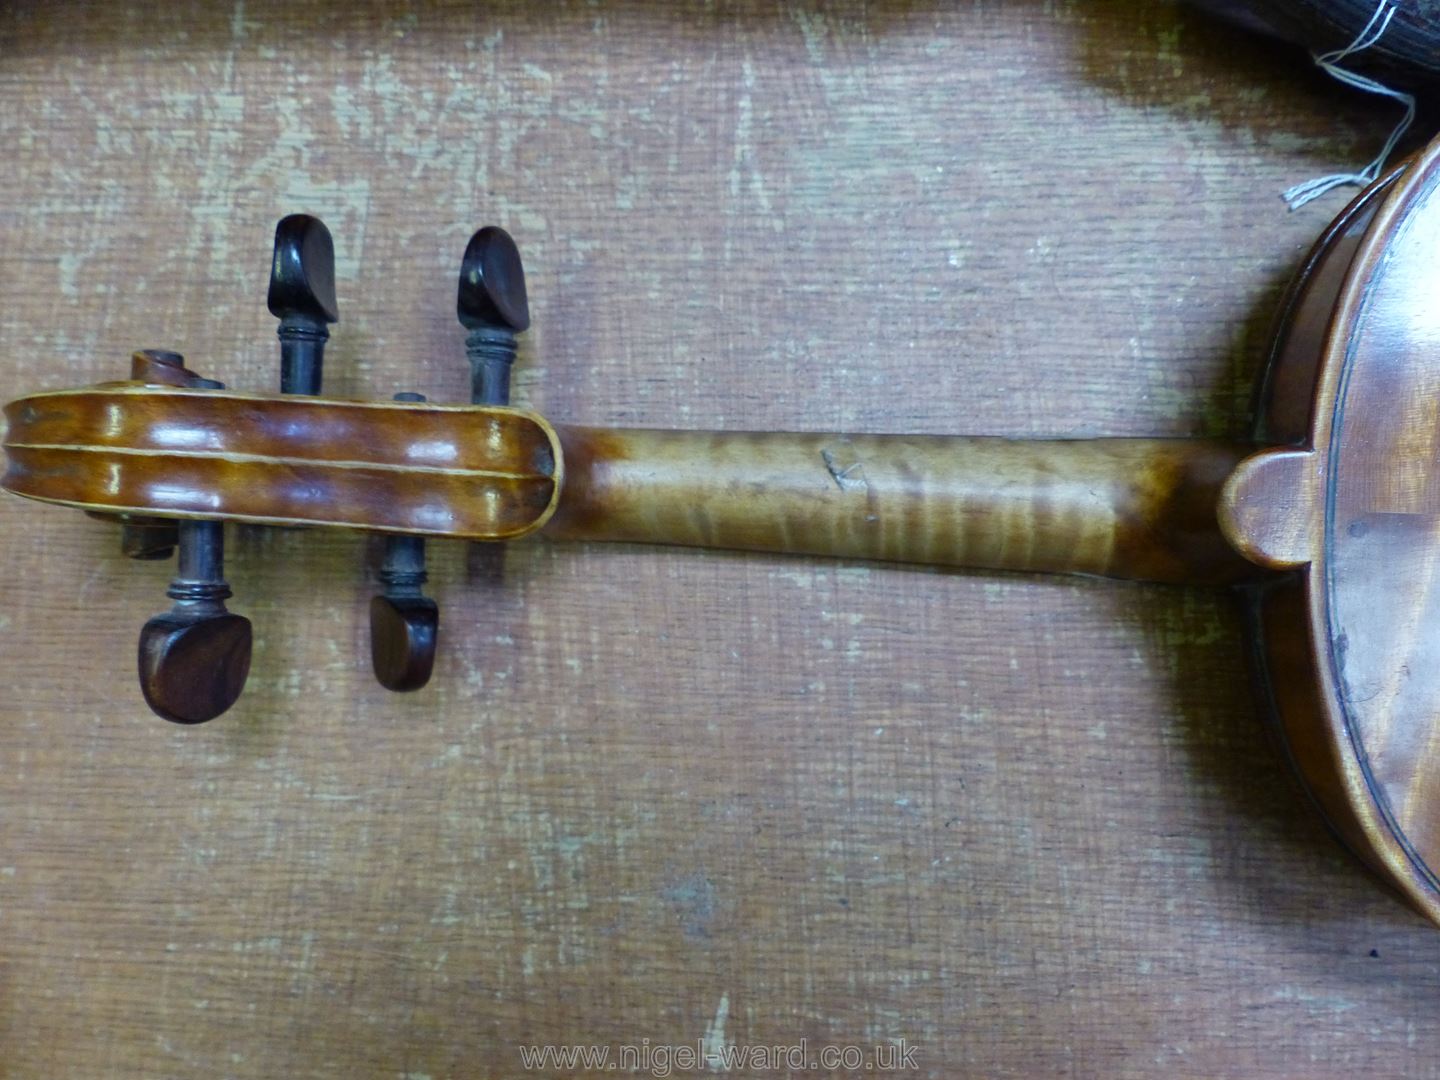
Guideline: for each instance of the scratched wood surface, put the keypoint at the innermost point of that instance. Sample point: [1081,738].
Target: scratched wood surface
[1027,826]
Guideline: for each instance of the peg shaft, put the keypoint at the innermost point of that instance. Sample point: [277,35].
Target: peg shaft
[404,623]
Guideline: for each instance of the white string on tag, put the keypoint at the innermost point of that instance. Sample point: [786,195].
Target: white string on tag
[1329,62]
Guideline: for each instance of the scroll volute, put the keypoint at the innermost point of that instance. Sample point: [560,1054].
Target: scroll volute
[164,449]
[1350,643]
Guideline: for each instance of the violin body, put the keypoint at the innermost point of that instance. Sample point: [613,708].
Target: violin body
[1349,508]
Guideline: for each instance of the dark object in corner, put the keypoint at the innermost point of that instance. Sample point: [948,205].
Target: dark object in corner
[1407,57]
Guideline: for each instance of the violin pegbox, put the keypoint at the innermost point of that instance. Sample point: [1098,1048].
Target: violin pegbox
[495,470]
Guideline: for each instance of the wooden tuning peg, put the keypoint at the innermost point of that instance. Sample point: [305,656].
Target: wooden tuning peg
[302,297]
[195,657]
[493,307]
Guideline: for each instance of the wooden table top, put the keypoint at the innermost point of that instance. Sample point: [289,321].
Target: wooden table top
[660,798]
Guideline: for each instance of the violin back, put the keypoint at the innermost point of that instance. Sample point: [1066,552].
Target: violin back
[1349,643]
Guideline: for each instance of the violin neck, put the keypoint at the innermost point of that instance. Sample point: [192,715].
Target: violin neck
[1143,509]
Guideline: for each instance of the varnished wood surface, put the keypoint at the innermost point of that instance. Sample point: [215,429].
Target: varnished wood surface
[1347,646]
[1031,826]
[1140,509]
[420,468]
[1382,506]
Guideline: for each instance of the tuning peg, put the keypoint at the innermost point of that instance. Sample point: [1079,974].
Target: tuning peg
[194,658]
[302,297]
[404,623]
[492,305]
[151,538]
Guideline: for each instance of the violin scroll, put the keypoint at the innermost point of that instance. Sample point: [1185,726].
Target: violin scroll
[171,456]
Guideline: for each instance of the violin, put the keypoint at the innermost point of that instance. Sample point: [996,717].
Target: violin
[1325,525]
